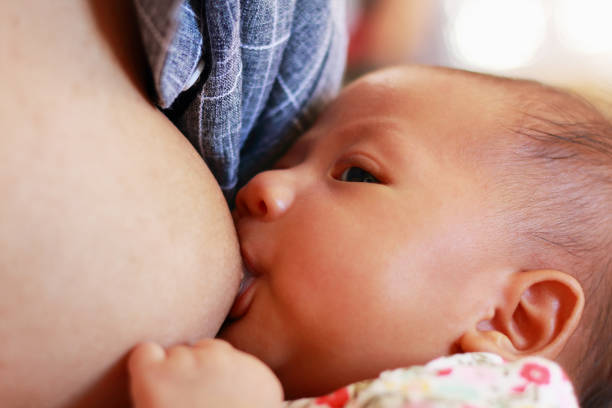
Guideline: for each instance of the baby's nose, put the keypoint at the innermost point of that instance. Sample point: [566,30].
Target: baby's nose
[268,195]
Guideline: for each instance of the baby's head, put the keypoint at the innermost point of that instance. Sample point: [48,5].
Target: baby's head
[429,212]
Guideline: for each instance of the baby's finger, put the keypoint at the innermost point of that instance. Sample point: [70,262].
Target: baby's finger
[144,355]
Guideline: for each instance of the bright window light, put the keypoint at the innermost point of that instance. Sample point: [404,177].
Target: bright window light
[496,34]
[584,25]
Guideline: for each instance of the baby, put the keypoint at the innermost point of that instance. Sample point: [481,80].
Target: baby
[429,212]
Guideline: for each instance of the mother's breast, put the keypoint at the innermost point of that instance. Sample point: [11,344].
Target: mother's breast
[113,229]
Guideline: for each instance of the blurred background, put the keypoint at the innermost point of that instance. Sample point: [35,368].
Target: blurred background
[562,42]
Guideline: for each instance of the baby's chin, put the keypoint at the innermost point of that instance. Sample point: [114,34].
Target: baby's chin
[236,332]
[231,333]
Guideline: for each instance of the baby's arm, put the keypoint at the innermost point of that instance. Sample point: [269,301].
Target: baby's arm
[210,374]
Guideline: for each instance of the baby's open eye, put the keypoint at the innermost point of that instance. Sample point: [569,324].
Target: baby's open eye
[358,175]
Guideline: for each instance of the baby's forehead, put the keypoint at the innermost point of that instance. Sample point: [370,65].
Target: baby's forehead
[447,106]
[442,93]
[452,86]
[476,118]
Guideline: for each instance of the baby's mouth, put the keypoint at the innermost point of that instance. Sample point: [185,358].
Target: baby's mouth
[244,296]
[247,279]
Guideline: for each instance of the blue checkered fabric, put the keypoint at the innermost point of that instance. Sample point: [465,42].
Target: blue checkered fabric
[242,79]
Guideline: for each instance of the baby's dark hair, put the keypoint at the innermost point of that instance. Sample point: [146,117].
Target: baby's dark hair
[562,161]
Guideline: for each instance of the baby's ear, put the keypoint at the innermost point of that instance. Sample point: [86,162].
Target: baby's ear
[537,314]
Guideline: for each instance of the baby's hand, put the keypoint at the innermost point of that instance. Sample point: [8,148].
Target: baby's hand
[210,374]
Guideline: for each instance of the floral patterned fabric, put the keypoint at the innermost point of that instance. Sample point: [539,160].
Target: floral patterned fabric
[473,380]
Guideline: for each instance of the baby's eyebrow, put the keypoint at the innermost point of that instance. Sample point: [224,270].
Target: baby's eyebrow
[403,149]
[388,131]
[390,140]
[395,145]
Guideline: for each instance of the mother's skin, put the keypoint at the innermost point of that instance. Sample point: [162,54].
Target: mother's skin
[112,229]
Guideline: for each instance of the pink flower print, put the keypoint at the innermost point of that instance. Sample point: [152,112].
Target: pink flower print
[336,399]
[444,371]
[535,373]
[520,388]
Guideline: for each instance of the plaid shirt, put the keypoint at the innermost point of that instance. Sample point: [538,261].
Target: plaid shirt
[242,79]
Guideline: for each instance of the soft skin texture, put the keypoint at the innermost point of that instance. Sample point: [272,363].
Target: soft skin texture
[113,229]
[353,277]
[209,374]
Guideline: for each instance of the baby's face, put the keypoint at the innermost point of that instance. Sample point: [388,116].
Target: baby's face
[376,239]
